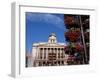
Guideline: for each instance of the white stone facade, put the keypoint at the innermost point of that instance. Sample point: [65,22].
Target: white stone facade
[49,53]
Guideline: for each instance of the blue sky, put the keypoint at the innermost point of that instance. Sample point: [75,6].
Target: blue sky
[40,25]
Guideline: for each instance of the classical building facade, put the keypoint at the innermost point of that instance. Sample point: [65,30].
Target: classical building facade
[49,53]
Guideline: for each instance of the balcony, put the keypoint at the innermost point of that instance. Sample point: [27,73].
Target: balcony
[73,48]
[69,19]
[66,49]
[71,22]
[72,36]
[86,36]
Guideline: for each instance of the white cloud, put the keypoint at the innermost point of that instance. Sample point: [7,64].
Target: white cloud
[46,18]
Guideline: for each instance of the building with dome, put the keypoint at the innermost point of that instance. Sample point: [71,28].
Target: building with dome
[49,53]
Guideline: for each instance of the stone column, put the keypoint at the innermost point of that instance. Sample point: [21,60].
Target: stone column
[57,52]
[60,55]
[38,56]
[43,54]
[38,53]
[46,53]
[57,56]
[50,50]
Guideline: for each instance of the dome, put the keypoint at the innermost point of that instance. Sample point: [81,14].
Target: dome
[52,38]
[52,34]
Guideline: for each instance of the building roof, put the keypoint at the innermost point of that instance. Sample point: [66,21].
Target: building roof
[52,41]
[48,44]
